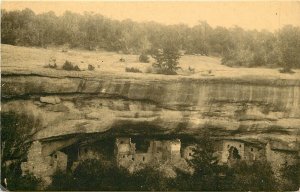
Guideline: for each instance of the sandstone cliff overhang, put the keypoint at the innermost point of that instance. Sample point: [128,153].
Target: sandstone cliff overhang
[242,107]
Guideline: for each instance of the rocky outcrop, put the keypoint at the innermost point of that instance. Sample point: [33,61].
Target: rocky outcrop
[249,109]
[74,107]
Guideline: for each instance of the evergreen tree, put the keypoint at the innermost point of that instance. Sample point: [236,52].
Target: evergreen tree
[167,60]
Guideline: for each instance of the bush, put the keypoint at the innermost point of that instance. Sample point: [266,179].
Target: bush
[133,70]
[54,66]
[93,175]
[149,179]
[122,60]
[192,70]
[253,177]
[65,48]
[51,63]
[144,58]
[62,182]
[286,70]
[91,67]
[15,180]
[70,67]
[291,174]
[76,68]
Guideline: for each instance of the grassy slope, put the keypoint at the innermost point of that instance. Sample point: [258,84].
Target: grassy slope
[32,60]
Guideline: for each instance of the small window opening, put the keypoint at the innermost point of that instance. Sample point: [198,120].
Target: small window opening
[251,149]
[123,156]
[240,145]
[190,154]
[132,159]
[143,158]
[228,146]
[55,156]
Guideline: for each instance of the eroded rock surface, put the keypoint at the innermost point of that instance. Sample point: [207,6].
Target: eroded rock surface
[255,109]
[71,108]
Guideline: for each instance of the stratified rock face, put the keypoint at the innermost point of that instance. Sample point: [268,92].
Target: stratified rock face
[263,110]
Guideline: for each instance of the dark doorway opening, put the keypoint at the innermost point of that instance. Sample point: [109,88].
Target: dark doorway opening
[233,154]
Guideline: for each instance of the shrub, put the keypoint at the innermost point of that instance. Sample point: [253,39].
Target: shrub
[76,68]
[122,60]
[192,70]
[91,174]
[253,177]
[62,181]
[149,179]
[70,67]
[15,180]
[133,70]
[65,48]
[91,67]
[291,174]
[54,66]
[51,63]
[27,183]
[159,70]
[286,70]
[144,58]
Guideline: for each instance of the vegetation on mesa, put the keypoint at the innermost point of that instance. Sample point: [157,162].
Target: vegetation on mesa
[236,46]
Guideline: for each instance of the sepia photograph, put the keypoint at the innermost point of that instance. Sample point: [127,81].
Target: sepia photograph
[150,95]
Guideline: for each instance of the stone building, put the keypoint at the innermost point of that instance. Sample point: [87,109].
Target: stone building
[43,166]
[163,151]
[125,152]
[254,152]
[230,151]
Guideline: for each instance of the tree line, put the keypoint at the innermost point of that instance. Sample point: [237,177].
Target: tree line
[236,46]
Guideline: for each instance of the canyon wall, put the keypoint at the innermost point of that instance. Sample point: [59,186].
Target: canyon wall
[260,110]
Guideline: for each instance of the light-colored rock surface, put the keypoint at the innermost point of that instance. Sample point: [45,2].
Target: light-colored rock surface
[237,103]
[266,111]
[50,100]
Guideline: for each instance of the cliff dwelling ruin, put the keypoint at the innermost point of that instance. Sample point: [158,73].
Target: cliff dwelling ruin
[132,156]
